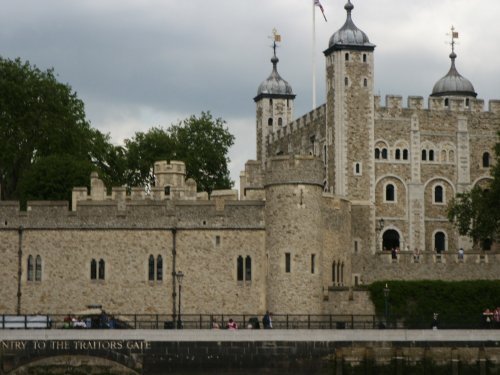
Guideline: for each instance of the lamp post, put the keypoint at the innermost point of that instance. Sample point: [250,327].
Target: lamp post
[386,298]
[379,228]
[179,275]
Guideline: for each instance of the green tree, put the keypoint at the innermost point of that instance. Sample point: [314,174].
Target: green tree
[201,142]
[476,213]
[40,118]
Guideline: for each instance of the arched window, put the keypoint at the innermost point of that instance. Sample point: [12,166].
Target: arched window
[365,82]
[397,154]
[151,268]
[424,155]
[357,169]
[239,268]
[438,194]
[377,153]
[431,155]
[159,268]
[390,194]
[270,121]
[446,102]
[342,274]
[30,268]
[486,160]
[346,57]
[440,241]
[443,155]
[102,271]
[248,268]
[334,270]
[280,121]
[338,273]
[38,268]
[405,154]
[93,269]
[384,153]
[451,156]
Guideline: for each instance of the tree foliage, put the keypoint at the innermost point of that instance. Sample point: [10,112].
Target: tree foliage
[201,142]
[476,213]
[40,118]
[48,147]
[459,303]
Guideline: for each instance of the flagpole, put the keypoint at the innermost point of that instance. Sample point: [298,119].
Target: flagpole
[313,55]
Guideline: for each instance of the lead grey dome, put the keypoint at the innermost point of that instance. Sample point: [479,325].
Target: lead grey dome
[349,35]
[274,85]
[453,84]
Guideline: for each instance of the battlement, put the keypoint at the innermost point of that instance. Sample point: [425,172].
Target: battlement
[294,169]
[438,103]
[300,123]
[252,181]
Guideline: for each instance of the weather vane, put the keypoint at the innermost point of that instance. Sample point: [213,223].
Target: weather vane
[275,38]
[454,35]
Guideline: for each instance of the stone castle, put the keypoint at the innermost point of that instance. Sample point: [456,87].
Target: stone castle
[317,213]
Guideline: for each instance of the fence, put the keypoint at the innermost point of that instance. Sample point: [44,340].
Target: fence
[206,321]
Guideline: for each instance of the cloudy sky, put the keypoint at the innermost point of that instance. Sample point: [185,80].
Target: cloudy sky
[143,63]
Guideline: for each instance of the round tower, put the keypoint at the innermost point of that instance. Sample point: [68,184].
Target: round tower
[274,102]
[294,238]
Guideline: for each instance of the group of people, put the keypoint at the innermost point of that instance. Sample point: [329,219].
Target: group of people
[253,323]
[492,318]
[416,253]
[97,321]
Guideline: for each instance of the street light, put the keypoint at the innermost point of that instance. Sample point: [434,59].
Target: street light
[379,228]
[179,275]
[386,298]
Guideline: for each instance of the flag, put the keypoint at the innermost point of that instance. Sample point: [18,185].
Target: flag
[318,4]
[455,34]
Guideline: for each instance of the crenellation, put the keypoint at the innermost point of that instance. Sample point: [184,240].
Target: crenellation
[494,106]
[416,102]
[394,102]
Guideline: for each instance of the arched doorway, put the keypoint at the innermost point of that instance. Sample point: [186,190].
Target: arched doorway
[440,242]
[390,239]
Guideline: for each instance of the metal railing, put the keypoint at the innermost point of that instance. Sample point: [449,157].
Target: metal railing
[244,321]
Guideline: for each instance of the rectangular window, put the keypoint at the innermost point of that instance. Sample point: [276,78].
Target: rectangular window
[313,263]
[287,263]
[356,247]
[217,240]
[239,268]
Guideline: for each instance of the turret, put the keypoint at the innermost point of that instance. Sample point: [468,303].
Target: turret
[274,102]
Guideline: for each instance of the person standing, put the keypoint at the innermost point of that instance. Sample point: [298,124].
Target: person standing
[267,320]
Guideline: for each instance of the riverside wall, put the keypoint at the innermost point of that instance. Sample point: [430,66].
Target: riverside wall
[339,352]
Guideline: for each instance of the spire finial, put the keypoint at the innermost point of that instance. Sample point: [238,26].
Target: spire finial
[276,39]
[349,7]
[454,35]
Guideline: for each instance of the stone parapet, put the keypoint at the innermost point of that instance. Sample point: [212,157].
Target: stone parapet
[299,169]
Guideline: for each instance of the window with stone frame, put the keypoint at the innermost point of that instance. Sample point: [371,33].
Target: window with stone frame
[288,263]
[486,160]
[102,269]
[38,268]
[93,269]
[377,153]
[405,154]
[30,267]
[438,194]
[151,268]
[390,193]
